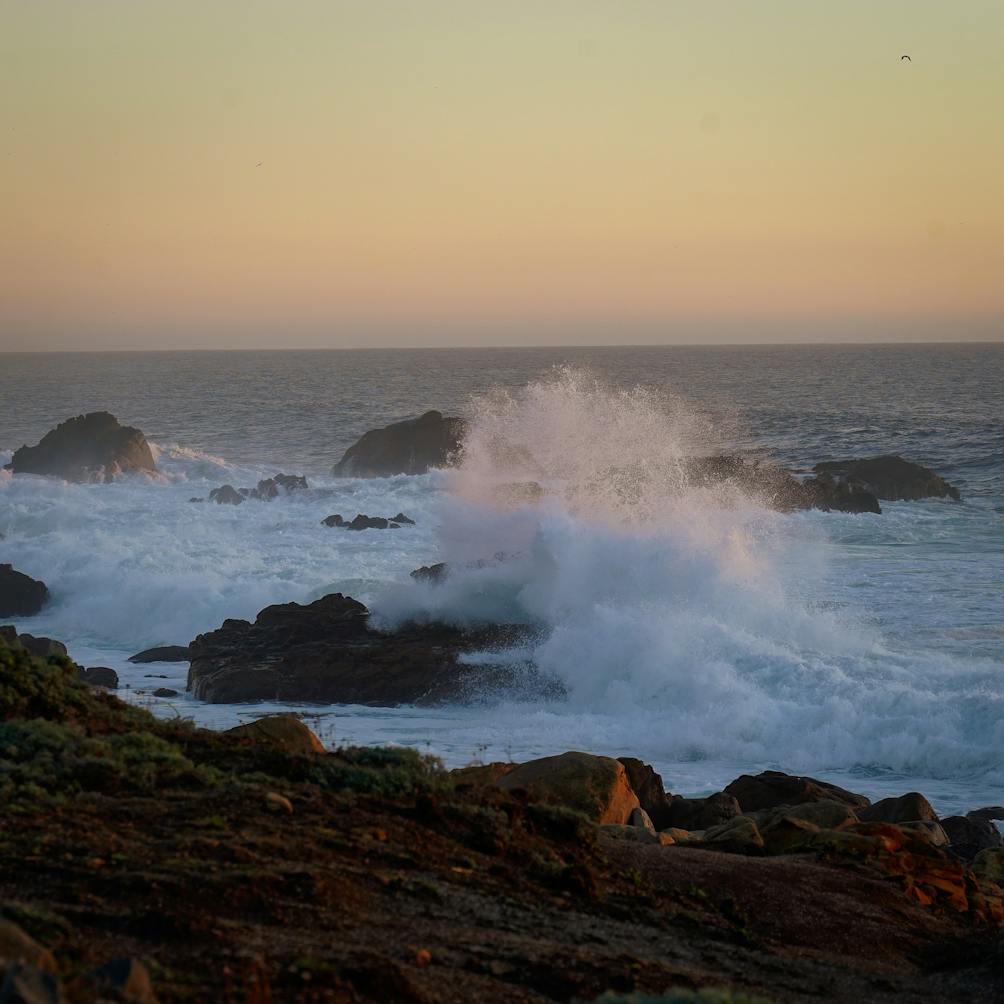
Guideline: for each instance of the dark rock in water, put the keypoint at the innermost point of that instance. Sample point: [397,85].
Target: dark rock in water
[702,813]
[891,478]
[431,573]
[335,520]
[42,647]
[162,653]
[291,482]
[648,786]
[410,447]
[986,813]
[364,522]
[196,498]
[967,837]
[90,447]
[165,692]
[909,808]
[226,495]
[99,676]
[20,594]
[773,787]
[840,495]
[403,520]
[326,651]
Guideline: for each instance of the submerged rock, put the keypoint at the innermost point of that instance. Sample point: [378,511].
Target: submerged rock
[326,651]
[20,594]
[891,478]
[162,653]
[226,495]
[410,447]
[92,447]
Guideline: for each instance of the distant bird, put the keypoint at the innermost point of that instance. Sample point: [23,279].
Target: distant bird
[901,58]
[260,162]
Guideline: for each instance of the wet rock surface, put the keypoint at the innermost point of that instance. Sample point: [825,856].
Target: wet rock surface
[890,477]
[162,653]
[92,447]
[413,446]
[20,594]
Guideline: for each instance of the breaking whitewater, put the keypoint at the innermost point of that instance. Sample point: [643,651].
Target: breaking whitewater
[693,628]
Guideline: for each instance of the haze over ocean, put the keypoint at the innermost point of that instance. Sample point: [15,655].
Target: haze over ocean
[864,647]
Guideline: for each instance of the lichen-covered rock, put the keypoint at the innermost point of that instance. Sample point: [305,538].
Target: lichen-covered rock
[20,594]
[91,447]
[594,785]
[410,447]
[285,732]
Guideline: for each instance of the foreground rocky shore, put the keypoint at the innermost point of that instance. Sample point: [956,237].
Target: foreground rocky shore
[146,860]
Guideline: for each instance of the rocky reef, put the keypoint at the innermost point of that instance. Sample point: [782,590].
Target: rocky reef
[410,447]
[20,594]
[92,447]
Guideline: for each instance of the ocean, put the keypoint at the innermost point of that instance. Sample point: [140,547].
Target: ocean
[703,634]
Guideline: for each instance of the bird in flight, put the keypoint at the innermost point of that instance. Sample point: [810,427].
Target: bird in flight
[901,58]
[259,164]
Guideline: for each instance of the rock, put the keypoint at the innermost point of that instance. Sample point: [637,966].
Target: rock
[197,498]
[988,812]
[91,447]
[701,813]
[20,594]
[594,785]
[480,775]
[738,835]
[42,647]
[639,817]
[363,522]
[891,478]
[930,831]
[635,834]
[165,692]
[25,984]
[99,676]
[410,447]
[269,489]
[126,980]
[967,837]
[8,634]
[275,802]
[285,732]
[431,573]
[335,520]
[681,836]
[772,788]
[19,946]
[226,495]
[402,520]
[162,653]
[326,651]
[788,835]
[988,865]
[648,786]
[291,482]
[825,814]
[840,495]
[912,807]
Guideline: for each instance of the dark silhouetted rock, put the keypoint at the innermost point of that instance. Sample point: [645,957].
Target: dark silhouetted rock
[909,808]
[285,732]
[701,813]
[8,634]
[967,837]
[20,594]
[271,487]
[410,447]
[335,520]
[42,647]
[839,495]
[648,786]
[364,522]
[165,692]
[772,788]
[90,447]
[986,813]
[226,495]
[326,651]
[891,478]
[100,676]
[431,573]
[402,520]
[162,653]
[196,498]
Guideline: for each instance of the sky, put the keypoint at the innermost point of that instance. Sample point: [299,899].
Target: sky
[326,173]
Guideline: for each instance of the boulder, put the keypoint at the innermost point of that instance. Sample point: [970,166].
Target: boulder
[739,835]
[335,520]
[773,787]
[825,814]
[17,945]
[326,651]
[909,808]
[480,775]
[123,979]
[20,594]
[639,817]
[988,865]
[891,478]
[788,835]
[99,676]
[24,983]
[42,647]
[928,830]
[364,522]
[987,812]
[648,786]
[226,495]
[840,495]
[162,653]
[701,813]
[967,837]
[91,447]
[635,834]
[402,520]
[431,573]
[410,447]
[165,692]
[594,785]
[284,732]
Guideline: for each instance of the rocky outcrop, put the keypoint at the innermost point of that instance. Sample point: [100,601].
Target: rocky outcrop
[226,495]
[364,522]
[651,792]
[20,594]
[91,447]
[410,447]
[99,676]
[162,653]
[596,786]
[701,813]
[772,788]
[909,808]
[891,478]
[285,732]
[967,837]
[265,491]
[41,647]
[326,651]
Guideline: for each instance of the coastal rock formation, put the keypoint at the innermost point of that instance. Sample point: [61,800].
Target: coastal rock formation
[596,786]
[41,647]
[285,732]
[364,522]
[326,651]
[91,447]
[226,495]
[909,808]
[162,653]
[891,478]
[265,491]
[20,594]
[410,447]
[772,788]
[100,676]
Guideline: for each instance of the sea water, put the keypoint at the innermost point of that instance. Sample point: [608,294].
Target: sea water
[695,629]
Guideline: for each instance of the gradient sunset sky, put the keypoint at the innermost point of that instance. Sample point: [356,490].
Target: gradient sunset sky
[443,173]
